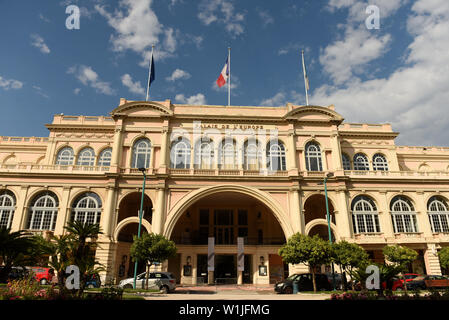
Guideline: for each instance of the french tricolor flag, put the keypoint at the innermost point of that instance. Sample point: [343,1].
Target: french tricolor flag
[224,75]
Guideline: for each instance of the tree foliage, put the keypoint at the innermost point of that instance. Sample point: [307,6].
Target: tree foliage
[151,248]
[349,256]
[443,255]
[312,251]
[14,248]
[401,257]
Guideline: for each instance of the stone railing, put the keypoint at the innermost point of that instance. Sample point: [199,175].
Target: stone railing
[51,167]
[27,140]
[396,174]
[375,237]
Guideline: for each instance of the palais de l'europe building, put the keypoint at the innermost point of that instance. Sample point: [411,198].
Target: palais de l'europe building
[227,173]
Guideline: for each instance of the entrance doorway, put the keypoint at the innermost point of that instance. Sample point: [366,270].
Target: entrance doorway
[226,269]
[247,273]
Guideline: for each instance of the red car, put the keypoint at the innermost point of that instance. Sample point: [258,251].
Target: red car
[398,284]
[42,274]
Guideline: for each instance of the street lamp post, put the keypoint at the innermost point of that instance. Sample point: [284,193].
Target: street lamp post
[140,219]
[330,174]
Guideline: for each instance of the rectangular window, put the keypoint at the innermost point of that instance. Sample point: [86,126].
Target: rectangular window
[223,217]
[204,217]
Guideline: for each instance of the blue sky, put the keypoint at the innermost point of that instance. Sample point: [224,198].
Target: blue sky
[396,74]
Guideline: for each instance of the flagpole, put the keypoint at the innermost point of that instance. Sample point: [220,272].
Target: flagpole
[149,73]
[229,82]
[305,78]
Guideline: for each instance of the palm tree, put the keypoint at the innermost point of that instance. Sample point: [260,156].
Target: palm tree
[82,250]
[13,249]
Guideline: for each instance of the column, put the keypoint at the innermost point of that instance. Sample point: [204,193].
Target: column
[295,211]
[108,212]
[117,145]
[336,153]
[63,212]
[19,219]
[384,216]
[164,147]
[105,255]
[159,217]
[50,151]
[342,217]
[291,154]
[422,218]
[194,268]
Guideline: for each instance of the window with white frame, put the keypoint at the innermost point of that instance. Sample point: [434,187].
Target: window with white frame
[65,156]
[204,154]
[361,162]
[403,215]
[228,154]
[346,162]
[7,207]
[180,154]
[141,154]
[380,163]
[87,208]
[437,209]
[86,157]
[313,157]
[252,155]
[276,156]
[364,215]
[43,212]
[104,160]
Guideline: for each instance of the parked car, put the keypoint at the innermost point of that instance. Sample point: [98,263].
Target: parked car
[42,275]
[93,281]
[16,273]
[428,282]
[398,283]
[304,283]
[164,281]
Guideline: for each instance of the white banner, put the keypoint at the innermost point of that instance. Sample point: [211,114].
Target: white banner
[240,255]
[210,253]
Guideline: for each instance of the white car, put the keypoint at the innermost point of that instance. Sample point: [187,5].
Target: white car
[164,281]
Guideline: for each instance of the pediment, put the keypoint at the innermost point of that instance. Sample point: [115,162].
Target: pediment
[142,109]
[313,114]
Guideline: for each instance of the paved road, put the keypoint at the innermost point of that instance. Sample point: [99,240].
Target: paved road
[232,293]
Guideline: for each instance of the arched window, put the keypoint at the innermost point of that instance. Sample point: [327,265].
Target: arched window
[361,162]
[403,215]
[313,157]
[228,154]
[204,154]
[276,156]
[346,162]
[141,154]
[43,212]
[252,155]
[7,207]
[379,163]
[86,157]
[65,156]
[104,160]
[437,209]
[87,208]
[364,215]
[180,154]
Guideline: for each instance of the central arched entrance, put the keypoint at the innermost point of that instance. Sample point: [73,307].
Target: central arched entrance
[226,216]
[126,228]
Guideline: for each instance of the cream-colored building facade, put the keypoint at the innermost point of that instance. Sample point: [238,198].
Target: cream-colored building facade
[226,172]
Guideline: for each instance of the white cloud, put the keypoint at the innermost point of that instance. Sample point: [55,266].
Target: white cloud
[344,57]
[222,12]
[293,46]
[7,84]
[38,42]
[43,18]
[76,91]
[178,74]
[90,78]
[137,28]
[40,92]
[235,83]
[266,17]
[134,87]
[414,97]
[198,99]
[281,98]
